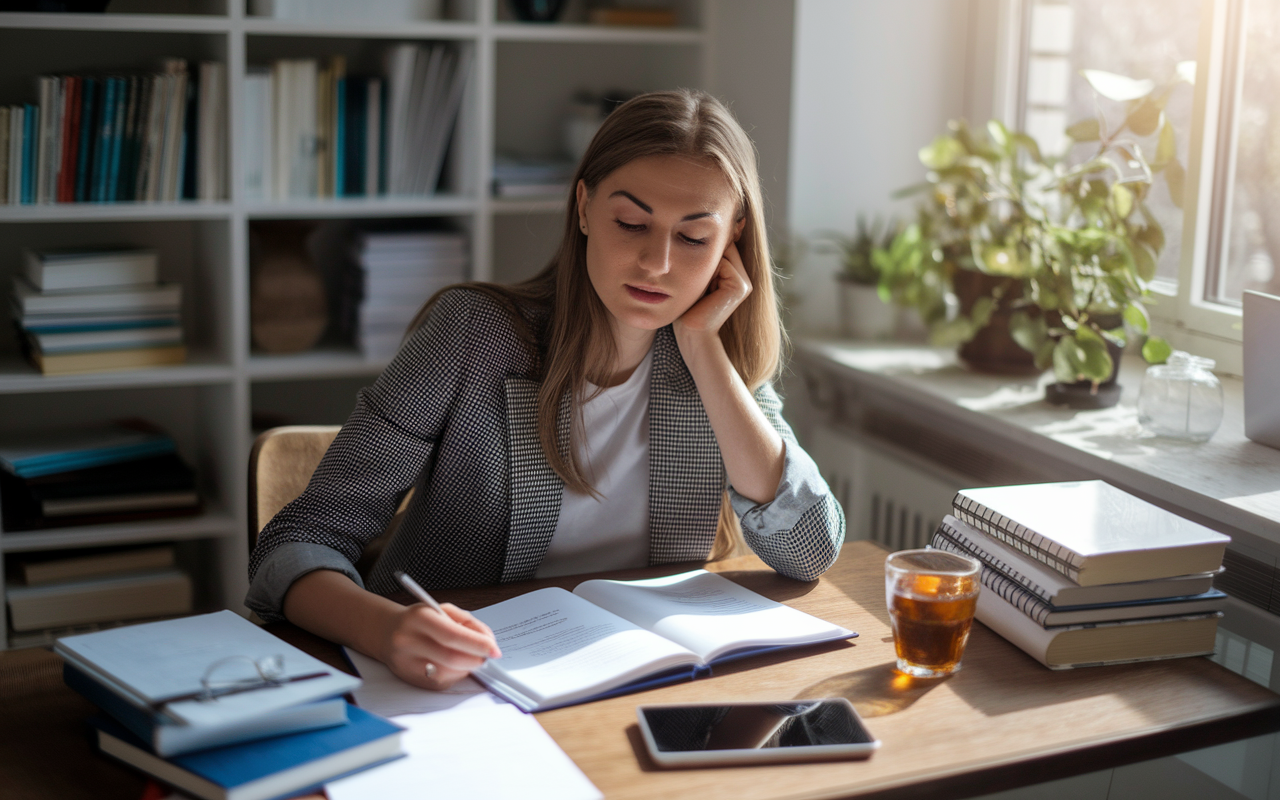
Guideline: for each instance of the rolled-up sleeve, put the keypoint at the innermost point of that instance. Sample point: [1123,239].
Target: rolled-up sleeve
[799,531]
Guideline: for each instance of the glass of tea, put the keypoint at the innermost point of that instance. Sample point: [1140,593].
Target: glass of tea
[931,596]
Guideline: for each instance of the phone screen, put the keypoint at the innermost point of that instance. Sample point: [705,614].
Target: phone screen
[754,726]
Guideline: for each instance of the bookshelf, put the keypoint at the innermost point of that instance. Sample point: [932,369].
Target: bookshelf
[522,78]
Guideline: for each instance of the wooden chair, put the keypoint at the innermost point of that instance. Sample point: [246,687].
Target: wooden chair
[280,466]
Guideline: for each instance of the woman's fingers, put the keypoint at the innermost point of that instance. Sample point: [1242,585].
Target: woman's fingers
[451,632]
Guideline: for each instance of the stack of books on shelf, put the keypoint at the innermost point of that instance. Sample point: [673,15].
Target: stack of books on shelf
[401,270]
[97,309]
[113,138]
[530,177]
[313,131]
[51,592]
[1083,574]
[218,708]
[93,475]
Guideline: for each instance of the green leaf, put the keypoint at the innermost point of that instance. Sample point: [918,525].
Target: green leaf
[1067,358]
[944,152]
[1086,130]
[951,333]
[1030,145]
[1143,262]
[1097,361]
[999,133]
[1136,315]
[1166,147]
[980,314]
[1122,200]
[1044,354]
[1116,336]
[1117,87]
[1144,119]
[1028,331]
[1187,71]
[1156,350]
[1175,177]
[1086,335]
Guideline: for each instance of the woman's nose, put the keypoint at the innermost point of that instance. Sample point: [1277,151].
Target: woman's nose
[655,258]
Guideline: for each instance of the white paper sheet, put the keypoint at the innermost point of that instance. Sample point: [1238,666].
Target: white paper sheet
[384,694]
[479,753]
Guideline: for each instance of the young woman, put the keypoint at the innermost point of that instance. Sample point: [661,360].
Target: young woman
[613,411]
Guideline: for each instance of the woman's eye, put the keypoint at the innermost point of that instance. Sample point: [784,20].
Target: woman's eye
[690,240]
[626,226]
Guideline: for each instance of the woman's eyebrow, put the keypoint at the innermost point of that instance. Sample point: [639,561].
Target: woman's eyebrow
[645,206]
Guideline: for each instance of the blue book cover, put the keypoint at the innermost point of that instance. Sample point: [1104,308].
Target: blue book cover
[282,766]
[355,110]
[117,138]
[84,156]
[102,150]
[190,141]
[32,120]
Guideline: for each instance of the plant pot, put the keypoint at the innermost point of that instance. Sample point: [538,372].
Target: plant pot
[863,315]
[992,349]
[1082,394]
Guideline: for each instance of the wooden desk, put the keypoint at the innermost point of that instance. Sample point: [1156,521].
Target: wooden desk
[1003,721]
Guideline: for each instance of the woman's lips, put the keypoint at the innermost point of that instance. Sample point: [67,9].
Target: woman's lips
[646,296]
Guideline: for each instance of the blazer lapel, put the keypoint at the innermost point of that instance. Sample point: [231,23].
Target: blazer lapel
[534,487]
[686,473]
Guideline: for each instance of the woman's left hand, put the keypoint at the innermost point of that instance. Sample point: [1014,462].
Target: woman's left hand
[729,287]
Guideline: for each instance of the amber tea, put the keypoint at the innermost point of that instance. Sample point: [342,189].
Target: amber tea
[931,596]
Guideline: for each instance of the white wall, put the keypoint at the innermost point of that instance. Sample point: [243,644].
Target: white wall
[872,82]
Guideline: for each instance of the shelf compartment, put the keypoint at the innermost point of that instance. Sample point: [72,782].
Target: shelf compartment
[346,208]
[330,362]
[216,523]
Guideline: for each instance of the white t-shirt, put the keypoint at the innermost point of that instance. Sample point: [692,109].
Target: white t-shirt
[611,531]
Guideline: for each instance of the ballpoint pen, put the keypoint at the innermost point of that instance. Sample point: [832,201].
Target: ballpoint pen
[417,591]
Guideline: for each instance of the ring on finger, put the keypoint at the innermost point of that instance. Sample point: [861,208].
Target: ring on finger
[431,671]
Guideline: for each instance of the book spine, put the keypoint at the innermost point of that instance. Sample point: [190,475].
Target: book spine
[1012,592]
[117,139]
[67,162]
[138,721]
[30,156]
[1020,537]
[4,155]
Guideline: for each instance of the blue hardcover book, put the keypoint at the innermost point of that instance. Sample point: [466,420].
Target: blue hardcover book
[190,142]
[29,147]
[353,138]
[33,455]
[102,150]
[339,148]
[117,138]
[84,155]
[165,737]
[282,766]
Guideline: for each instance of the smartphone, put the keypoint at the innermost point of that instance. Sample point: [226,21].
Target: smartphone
[720,734]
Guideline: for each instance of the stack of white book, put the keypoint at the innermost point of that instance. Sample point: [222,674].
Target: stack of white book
[94,309]
[1082,573]
[401,271]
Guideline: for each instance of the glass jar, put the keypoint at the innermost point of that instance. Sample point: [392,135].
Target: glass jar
[1181,398]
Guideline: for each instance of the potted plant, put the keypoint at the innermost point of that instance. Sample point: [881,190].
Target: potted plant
[864,312]
[1058,254]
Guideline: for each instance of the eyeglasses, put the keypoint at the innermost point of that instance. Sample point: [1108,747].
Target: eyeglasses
[222,679]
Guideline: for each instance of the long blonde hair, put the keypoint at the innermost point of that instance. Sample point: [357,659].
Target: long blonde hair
[687,123]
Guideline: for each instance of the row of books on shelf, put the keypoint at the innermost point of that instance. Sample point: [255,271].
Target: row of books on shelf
[1082,573]
[219,708]
[312,130]
[103,138]
[94,309]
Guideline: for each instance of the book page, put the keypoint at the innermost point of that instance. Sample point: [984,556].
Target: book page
[707,613]
[557,647]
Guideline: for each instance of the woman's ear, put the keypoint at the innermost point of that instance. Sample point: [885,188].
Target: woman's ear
[581,193]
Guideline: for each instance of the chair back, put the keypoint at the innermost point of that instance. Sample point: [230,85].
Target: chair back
[280,466]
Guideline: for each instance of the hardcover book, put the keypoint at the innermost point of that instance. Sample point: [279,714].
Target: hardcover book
[1092,532]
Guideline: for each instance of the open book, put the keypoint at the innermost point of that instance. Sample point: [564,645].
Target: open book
[612,637]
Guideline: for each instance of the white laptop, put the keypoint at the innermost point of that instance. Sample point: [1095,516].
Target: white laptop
[1262,368]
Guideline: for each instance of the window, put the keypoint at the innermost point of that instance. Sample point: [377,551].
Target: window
[1222,233]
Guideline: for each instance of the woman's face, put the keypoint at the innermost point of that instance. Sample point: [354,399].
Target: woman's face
[656,231]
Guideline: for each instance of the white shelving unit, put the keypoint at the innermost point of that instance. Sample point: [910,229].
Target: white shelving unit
[522,79]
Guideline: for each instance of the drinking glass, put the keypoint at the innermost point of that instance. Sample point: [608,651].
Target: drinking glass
[931,596]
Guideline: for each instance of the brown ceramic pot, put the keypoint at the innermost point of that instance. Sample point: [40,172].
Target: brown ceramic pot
[993,349]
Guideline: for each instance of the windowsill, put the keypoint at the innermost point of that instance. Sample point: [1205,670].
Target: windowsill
[1229,482]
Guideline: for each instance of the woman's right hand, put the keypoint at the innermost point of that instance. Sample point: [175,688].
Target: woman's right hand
[453,643]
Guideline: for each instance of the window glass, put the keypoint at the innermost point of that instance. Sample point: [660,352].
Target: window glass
[1251,227]
[1142,39]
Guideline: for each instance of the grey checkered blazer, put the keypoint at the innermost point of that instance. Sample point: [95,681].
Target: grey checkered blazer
[455,416]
